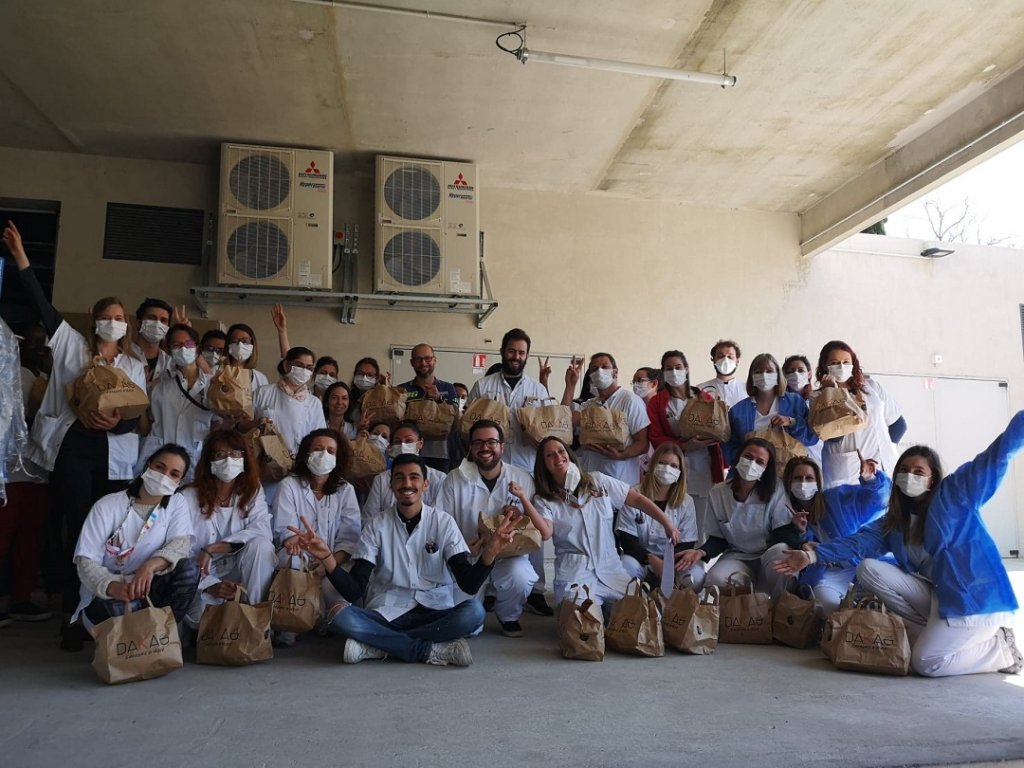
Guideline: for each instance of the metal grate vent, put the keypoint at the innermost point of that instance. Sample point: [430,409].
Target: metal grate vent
[412,258]
[258,250]
[154,234]
[260,181]
[412,192]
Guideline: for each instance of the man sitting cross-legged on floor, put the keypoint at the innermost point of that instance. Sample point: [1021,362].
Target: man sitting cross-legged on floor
[405,563]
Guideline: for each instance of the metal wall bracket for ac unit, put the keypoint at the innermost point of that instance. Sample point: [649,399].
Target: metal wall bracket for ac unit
[347,303]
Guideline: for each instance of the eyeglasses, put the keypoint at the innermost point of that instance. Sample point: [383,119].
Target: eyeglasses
[184,345]
[218,350]
[492,443]
[220,455]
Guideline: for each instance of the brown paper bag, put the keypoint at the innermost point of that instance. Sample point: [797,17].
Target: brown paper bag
[297,599]
[867,639]
[690,623]
[230,392]
[136,646]
[705,418]
[603,426]
[746,616]
[384,403]
[525,537]
[834,413]
[795,622]
[367,461]
[434,419]
[484,408]
[549,420]
[106,389]
[580,627]
[235,633]
[276,459]
[635,624]
[786,446]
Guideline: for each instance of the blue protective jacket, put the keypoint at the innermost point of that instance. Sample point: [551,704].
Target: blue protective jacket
[968,574]
[742,415]
[847,509]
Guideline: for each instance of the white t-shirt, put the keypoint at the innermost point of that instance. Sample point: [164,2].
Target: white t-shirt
[730,391]
[626,470]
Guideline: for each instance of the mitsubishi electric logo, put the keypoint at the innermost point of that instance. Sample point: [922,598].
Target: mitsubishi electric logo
[312,172]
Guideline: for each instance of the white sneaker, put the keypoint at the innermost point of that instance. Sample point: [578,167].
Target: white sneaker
[1018,658]
[456,653]
[356,652]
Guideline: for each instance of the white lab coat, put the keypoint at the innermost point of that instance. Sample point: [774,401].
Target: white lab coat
[334,517]
[71,356]
[584,540]
[626,470]
[746,525]
[410,569]
[293,419]
[176,419]
[381,496]
[114,511]
[650,533]
[528,391]
[164,363]
[698,463]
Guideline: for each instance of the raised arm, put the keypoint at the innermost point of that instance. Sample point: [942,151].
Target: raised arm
[51,317]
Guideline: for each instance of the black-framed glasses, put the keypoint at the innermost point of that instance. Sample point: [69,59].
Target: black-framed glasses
[221,455]
[491,443]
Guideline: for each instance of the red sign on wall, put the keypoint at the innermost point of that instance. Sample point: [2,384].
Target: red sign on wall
[479,360]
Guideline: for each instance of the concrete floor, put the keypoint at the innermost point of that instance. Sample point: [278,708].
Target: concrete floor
[518,705]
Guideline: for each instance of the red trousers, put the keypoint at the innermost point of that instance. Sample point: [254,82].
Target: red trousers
[21,534]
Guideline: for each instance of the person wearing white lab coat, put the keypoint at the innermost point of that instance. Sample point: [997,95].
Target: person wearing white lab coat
[484,484]
[581,510]
[135,544]
[243,350]
[337,403]
[405,439]
[749,523]
[87,457]
[153,318]
[177,402]
[838,366]
[620,463]
[404,569]
[726,385]
[515,388]
[294,410]
[317,490]
[233,532]
[643,543]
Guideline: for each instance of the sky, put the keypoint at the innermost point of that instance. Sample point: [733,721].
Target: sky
[995,192]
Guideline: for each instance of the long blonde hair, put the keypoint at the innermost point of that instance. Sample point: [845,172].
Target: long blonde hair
[677,491]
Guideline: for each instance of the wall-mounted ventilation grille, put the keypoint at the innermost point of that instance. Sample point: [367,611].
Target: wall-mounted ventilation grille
[154,234]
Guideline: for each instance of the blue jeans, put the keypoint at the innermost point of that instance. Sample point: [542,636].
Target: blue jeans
[409,636]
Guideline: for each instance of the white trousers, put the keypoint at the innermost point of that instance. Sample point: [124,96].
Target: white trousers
[537,561]
[938,649]
[692,578]
[252,566]
[511,581]
[731,569]
[832,588]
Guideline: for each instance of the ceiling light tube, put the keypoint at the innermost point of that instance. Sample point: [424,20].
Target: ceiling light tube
[644,70]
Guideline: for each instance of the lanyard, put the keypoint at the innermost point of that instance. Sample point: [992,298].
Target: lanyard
[115,544]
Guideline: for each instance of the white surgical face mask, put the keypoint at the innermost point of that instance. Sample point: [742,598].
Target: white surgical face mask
[183,356]
[321,462]
[640,388]
[239,351]
[602,378]
[323,381]
[675,377]
[797,380]
[298,375]
[153,330]
[462,404]
[380,442]
[227,469]
[111,330]
[158,484]
[212,357]
[841,372]
[725,365]
[749,470]
[400,448]
[364,382]
[666,474]
[805,490]
[912,485]
[766,382]
[572,477]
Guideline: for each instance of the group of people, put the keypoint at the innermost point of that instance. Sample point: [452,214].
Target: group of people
[170,507]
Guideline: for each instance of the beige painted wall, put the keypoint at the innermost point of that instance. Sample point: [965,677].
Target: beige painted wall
[590,272]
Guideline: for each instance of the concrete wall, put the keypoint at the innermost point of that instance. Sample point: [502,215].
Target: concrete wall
[589,272]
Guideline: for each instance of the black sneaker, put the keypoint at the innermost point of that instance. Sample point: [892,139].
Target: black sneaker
[489,602]
[1018,658]
[511,629]
[5,620]
[536,603]
[29,612]
[72,637]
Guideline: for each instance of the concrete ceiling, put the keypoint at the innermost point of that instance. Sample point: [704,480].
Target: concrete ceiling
[828,89]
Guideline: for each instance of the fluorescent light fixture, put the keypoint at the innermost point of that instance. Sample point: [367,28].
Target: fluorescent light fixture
[626,68]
